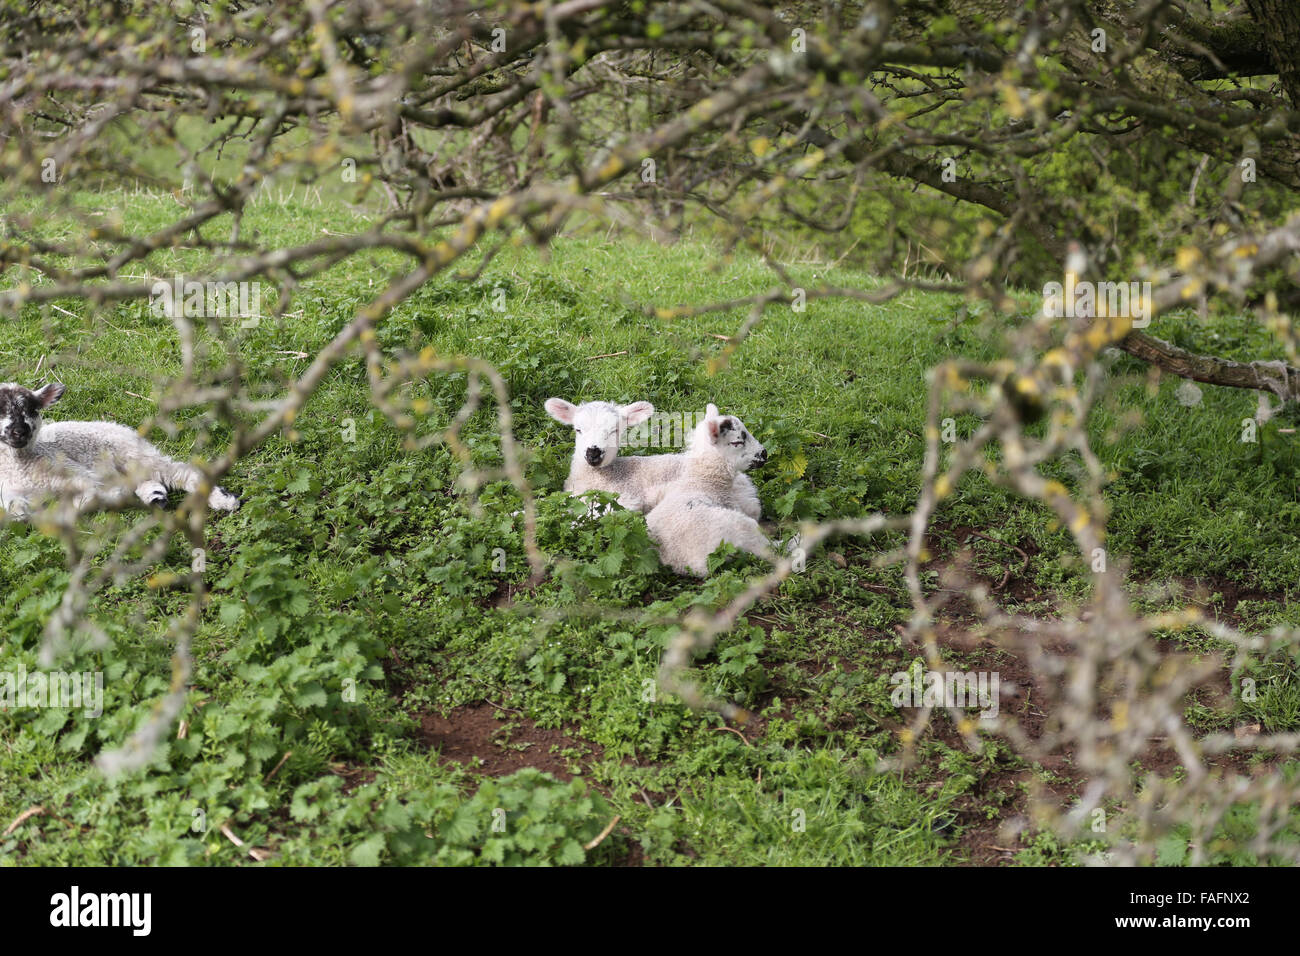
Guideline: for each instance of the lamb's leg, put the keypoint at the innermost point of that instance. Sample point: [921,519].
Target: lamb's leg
[653,495]
[85,487]
[631,502]
[685,557]
[687,536]
[15,504]
[745,497]
[152,492]
[76,488]
[744,532]
[188,477]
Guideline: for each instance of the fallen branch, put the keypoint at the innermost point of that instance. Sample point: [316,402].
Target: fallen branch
[600,837]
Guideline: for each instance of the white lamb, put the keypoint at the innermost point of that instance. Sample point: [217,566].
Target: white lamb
[639,480]
[82,462]
[695,514]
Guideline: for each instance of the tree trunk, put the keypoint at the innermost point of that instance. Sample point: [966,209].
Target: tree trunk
[1279,21]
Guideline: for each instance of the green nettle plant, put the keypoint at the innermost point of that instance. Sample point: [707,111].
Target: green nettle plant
[525,819]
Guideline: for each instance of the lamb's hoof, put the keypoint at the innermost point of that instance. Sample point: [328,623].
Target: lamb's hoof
[222,500]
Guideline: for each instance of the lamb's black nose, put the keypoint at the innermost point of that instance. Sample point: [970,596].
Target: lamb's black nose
[761,457]
[594,455]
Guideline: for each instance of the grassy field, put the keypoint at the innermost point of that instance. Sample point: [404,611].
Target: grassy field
[361,564]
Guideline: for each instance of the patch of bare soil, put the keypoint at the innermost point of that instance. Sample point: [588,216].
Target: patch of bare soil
[489,741]
[1217,597]
[504,594]
[490,745]
[981,841]
[353,776]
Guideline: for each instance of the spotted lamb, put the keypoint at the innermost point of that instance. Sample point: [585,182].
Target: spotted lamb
[696,513]
[82,463]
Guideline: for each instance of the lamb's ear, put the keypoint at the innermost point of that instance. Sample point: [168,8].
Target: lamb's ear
[637,412]
[560,410]
[47,395]
[711,425]
[711,411]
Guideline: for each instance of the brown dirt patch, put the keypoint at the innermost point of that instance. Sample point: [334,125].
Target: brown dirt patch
[982,841]
[1199,591]
[353,776]
[491,742]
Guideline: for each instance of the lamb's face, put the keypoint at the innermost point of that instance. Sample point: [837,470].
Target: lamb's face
[598,427]
[731,439]
[596,433]
[20,412]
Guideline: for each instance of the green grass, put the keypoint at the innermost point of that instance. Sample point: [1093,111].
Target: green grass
[362,565]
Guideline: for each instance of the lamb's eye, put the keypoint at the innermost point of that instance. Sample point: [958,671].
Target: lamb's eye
[578,431]
[737,444]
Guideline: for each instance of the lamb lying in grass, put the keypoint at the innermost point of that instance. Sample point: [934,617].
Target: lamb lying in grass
[82,462]
[638,480]
[695,514]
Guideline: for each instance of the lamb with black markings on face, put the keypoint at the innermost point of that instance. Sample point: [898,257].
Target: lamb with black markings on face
[696,513]
[82,463]
[20,412]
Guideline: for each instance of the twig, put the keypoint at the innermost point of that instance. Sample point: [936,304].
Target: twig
[844,255]
[1007,574]
[736,732]
[606,355]
[276,768]
[256,852]
[35,811]
[489,701]
[600,838]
